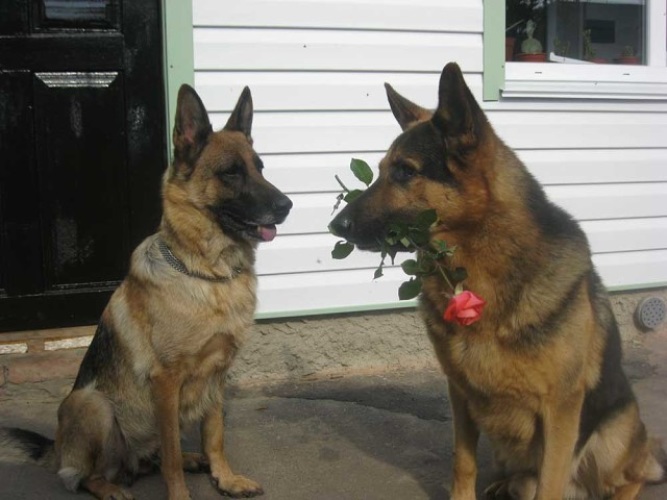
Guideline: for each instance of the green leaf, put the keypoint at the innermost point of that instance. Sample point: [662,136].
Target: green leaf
[378,272]
[419,237]
[342,249]
[426,219]
[409,289]
[361,171]
[406,242]
[353,195]
[410,267]
[392,254]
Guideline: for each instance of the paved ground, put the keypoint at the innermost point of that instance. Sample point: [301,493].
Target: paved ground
[372,437]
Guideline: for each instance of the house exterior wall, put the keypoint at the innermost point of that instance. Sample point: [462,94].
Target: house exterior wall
[316,70]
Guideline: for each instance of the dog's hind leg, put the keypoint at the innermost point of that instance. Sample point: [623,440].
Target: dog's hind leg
[89,444]
[212,431]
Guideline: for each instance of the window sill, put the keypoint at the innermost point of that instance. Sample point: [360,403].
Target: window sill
[584,81]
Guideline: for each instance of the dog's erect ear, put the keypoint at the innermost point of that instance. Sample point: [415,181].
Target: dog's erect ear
[192,126]
[458,114]
[241,118]
[405,111]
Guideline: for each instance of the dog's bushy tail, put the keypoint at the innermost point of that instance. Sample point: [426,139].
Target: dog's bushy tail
[22,446]
[657,463]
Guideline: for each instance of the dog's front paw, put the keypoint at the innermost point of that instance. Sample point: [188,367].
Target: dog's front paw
[237,486]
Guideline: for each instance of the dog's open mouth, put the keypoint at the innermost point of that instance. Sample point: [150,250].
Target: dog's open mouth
[266,233]
[233,223]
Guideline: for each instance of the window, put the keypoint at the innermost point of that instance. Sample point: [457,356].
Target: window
[585,49]
[576,31]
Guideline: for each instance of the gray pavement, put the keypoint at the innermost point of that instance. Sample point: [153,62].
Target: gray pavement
[358,437]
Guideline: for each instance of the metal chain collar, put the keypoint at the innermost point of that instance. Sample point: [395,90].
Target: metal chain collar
[178,265]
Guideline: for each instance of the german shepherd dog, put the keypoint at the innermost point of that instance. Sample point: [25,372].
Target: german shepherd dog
[540,372]
[166,339]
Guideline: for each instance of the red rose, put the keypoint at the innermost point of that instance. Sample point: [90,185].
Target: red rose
[464,308]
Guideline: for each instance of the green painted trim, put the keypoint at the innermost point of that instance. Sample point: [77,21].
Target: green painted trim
[328,311]
[409,304]
[494,49]
[634,288]
[179,61]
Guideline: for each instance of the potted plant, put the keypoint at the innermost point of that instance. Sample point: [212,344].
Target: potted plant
[518,13]
[589,51]
[531,48]
[628,56]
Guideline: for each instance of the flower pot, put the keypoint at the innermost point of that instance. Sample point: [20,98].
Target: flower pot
[598,60]
[541,57]
[509,48]
[628,60]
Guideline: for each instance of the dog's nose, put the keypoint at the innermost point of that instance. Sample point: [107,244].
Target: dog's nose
[282,205]
[341,225]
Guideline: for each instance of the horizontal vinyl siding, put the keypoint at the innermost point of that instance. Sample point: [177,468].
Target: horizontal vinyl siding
[606,164]
[316,69]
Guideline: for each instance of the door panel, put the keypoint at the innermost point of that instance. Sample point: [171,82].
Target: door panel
[80,139]
[82,151]
[20,240]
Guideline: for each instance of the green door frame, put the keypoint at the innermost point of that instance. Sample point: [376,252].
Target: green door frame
[179,63]
[494,49]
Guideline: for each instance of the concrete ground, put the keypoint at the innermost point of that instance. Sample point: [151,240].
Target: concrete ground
[358,437]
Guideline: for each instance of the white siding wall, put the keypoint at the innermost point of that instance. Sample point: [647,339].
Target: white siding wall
[316,69]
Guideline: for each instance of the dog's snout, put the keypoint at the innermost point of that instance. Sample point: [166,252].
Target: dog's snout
[282,205]
[341,225]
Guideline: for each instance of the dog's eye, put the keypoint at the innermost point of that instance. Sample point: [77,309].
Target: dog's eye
[235,170]
[403,172]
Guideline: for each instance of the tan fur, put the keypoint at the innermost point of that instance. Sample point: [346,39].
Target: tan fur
[167,337]
[546,342]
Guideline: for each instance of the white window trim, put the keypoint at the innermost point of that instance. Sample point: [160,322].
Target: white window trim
[598,81]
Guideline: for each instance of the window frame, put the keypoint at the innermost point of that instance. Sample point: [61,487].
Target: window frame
[515,80]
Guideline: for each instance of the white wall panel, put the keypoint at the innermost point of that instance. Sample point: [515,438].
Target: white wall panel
[312,212]
[316,69]
[628,269]
[312,253]
[580,130]
[606,236]
[307,173]
[333,50]
[305,132]
[313,91]
[300,293]
[611,201]
[418,15]
[590,166]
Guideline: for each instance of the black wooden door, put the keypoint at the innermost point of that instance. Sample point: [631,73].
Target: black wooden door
[82,149]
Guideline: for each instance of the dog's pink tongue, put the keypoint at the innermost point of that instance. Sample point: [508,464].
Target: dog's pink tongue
[267,233]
